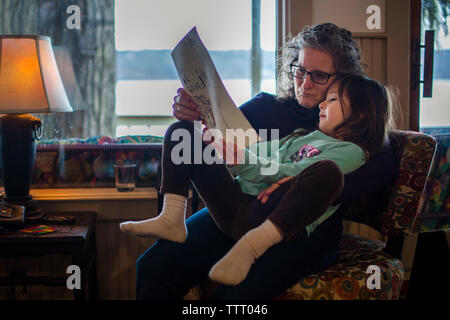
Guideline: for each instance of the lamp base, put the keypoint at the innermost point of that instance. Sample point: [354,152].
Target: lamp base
[18,133]
[11,216]
[32,211]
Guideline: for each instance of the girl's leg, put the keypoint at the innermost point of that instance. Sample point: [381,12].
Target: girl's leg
[234,266]
[306,197]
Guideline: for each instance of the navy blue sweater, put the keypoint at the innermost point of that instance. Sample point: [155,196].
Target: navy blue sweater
[265,112]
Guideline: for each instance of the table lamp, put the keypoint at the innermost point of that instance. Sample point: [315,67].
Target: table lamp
[29,83]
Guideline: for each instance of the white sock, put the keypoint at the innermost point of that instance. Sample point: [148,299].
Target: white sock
[169,224]
[233,268]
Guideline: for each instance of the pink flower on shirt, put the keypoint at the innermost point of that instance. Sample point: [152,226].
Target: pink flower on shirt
[306,151]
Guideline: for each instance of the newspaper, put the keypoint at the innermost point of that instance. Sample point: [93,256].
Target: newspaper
[201,80]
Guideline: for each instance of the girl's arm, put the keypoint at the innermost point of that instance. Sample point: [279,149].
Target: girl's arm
[347,156]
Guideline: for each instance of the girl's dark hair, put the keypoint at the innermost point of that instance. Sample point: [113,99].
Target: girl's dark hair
[370,117]
[369,120]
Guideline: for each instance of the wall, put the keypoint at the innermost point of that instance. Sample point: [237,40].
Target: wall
[322,10]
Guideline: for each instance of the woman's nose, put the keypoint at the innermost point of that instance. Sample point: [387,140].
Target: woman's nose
[307,82]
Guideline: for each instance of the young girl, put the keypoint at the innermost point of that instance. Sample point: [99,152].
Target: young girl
[353,124]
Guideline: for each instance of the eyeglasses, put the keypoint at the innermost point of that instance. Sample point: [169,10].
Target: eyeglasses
[318,77]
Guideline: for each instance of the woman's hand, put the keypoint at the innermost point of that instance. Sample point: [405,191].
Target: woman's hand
[184,108]
[264,195]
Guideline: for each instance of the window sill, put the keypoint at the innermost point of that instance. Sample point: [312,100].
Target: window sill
[108,203]
[94,194]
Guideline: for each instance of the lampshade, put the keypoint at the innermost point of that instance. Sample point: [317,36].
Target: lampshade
[29,77]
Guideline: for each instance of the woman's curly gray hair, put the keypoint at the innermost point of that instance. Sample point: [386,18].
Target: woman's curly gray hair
[326,37]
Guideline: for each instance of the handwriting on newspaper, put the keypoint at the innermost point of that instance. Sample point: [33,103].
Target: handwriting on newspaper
[196,84]
[194,79]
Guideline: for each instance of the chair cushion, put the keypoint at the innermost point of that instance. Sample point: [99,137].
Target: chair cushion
[346,278]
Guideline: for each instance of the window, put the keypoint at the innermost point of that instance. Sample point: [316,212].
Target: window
[120,52]
[147,31]
[435,111]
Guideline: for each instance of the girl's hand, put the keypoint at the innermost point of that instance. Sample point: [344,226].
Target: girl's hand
[264,195]
[229,152]
[184,108]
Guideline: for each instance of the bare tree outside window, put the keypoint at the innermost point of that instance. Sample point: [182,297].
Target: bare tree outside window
[91,48]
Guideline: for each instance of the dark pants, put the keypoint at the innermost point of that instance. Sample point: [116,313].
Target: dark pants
[168,270]
[298,202]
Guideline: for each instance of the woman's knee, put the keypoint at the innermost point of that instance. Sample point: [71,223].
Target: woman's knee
[147,261]
[153,273]
[155,265]
[182,125]
[153,259]
[179,131]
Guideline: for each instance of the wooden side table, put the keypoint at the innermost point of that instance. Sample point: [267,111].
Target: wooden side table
[76,239]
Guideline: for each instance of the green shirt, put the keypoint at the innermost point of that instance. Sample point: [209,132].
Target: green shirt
[268,162]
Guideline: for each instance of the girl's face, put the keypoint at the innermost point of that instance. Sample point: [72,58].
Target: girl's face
[333,111]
